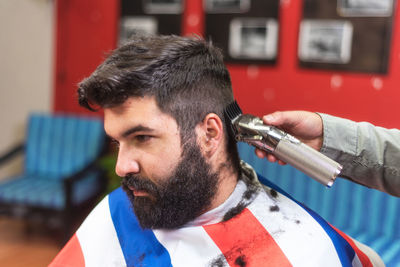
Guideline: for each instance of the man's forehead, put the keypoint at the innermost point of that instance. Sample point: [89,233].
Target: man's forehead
[133,112]
[133,107]
[134,102]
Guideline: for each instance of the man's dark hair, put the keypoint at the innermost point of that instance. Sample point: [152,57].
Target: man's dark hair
[186,75]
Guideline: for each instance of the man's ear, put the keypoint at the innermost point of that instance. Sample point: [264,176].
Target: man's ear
[210,133]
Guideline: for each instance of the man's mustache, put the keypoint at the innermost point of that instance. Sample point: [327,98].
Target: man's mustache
[140,183]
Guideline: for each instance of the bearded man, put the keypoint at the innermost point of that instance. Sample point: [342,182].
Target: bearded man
[186,198]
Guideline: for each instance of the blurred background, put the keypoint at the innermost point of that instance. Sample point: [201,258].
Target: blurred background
[332,56]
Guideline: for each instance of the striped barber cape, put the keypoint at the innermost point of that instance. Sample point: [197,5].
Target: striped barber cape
[271,230]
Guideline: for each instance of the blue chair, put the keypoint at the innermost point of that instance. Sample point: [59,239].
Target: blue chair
[60,176]
[367,215]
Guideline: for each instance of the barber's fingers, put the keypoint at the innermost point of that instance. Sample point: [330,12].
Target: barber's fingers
[260,153]
[277,118]
[287,120]
[270,157]
[304,125]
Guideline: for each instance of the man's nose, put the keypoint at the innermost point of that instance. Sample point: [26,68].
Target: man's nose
[126,164]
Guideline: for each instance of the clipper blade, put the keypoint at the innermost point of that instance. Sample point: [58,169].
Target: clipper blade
[232,112]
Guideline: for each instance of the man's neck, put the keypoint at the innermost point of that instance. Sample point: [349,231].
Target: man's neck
[228,179]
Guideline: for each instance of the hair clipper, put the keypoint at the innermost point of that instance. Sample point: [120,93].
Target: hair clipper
[250,129]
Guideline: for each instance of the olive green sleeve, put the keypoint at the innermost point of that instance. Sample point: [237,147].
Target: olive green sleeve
[370,155]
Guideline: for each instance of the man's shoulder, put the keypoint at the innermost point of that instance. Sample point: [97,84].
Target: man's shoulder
[290,222]
[96,236]
[279,201]
[267,184]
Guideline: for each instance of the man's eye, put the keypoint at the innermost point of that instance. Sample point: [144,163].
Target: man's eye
[143,138]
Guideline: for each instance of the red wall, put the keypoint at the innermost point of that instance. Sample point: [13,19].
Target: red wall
[87,29]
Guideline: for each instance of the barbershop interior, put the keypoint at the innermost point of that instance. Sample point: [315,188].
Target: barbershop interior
[336,57]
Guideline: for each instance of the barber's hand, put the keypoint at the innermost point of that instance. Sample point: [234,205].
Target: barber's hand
[305,126]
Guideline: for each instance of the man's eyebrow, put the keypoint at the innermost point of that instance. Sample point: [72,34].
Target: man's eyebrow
[138,128]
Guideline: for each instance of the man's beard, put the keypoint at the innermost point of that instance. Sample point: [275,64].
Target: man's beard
[179,198]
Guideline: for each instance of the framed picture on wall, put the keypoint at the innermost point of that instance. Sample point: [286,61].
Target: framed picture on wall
[162,6]
[226,6]
[327,41]
[130,26]
[253,38]
[363,8]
